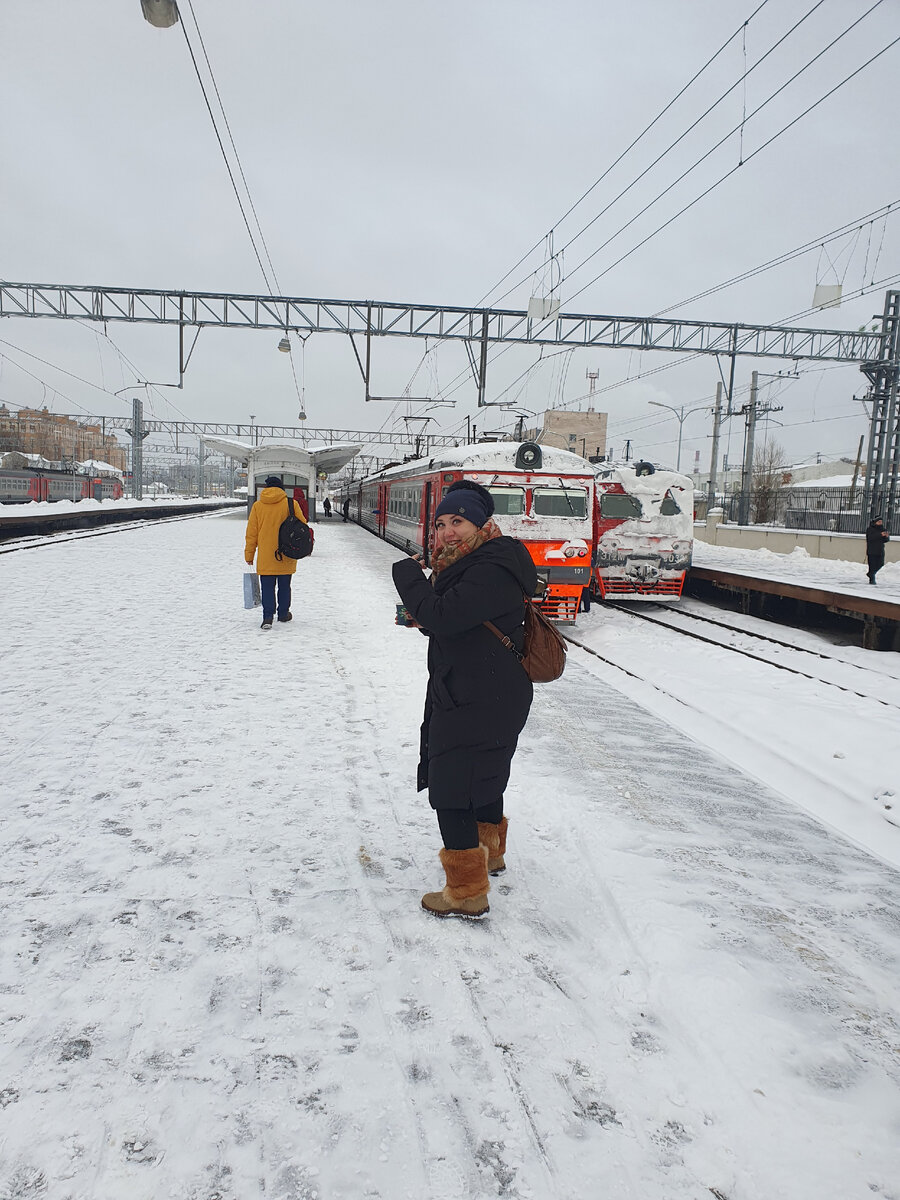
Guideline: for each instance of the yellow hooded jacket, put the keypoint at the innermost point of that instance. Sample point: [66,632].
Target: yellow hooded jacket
[264,522]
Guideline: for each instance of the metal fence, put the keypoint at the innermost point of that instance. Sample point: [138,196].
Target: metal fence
[829,509]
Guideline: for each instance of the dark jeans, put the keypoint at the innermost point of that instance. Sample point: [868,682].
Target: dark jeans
[876,562]
[459,826]
[267,588]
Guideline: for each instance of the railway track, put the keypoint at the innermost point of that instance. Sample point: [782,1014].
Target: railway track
[40,541]
[686,614]
[724,645]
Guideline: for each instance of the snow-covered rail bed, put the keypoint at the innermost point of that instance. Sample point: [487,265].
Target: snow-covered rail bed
[36,541]
[215,977]
[865,679]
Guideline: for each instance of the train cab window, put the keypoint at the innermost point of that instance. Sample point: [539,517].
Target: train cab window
[669,506]
[615,504]
[560,502]
[508,501]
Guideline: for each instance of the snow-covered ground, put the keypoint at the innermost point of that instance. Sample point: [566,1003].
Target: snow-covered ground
[800,567]
[215,977]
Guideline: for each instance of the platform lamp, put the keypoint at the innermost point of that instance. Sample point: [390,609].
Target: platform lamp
[681,414]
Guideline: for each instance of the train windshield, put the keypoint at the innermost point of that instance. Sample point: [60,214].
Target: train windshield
[616,504]
[669,506]
[560,502]
[508,501]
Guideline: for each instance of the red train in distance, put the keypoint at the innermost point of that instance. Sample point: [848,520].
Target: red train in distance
[19,485]
[542,496]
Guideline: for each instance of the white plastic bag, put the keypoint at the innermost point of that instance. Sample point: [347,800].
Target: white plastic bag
[252,597]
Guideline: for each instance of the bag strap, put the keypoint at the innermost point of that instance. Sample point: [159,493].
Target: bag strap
[507,641]
[505,638]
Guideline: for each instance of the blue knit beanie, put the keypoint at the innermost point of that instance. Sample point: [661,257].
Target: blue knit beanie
[466,502]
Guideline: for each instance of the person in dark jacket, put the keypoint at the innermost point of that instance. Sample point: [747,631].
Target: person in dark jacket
[876,536]
[478,695]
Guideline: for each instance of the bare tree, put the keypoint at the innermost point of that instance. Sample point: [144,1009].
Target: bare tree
[768,477]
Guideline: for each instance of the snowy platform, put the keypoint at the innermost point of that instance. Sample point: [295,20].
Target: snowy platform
[822,574]
[216,979]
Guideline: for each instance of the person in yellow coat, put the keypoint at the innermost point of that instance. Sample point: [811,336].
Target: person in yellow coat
[265,520]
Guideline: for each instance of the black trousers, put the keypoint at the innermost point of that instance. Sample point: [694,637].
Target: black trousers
[875,564]
[459,826]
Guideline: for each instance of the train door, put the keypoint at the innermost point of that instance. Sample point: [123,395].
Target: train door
[426,526]
[384,492]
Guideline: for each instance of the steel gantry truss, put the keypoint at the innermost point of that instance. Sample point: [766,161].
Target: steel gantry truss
[883,462]
[876,351]
[252,433]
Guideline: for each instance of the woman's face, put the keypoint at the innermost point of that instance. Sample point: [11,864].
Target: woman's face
[452,529]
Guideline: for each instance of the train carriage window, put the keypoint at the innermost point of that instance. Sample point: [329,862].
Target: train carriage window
[560,502]
[669,506]
[615,504]
[508,501]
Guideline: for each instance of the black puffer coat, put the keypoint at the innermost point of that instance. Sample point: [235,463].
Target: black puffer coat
[876,536]
[478,694]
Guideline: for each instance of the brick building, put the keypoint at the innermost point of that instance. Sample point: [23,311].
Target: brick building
[583,433]
[38,431]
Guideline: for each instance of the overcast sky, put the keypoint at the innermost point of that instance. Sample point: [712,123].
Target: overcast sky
[414,152]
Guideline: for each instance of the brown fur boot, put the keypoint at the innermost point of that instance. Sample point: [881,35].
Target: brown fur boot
[494,837]
[465,894]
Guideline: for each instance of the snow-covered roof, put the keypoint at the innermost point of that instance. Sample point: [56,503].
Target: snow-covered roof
[95,466]
[494,456]
[835,481]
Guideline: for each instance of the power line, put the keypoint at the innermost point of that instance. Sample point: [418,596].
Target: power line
[234,148]
[212,117]
[671,147]
[460,378]
[629,148]
[888,210]
[738,165]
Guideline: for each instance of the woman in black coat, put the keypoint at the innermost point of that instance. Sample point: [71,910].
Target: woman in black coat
[478,694]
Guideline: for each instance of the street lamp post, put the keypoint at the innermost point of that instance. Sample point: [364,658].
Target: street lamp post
[681,414]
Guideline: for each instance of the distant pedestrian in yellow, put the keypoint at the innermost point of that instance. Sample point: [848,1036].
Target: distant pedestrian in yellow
[265,520]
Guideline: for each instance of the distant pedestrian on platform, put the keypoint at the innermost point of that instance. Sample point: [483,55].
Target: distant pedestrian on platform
[326,504]
[346,508]
[478,695]
[265,520]
[876,536]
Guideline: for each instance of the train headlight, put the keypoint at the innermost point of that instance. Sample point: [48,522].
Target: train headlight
[582,553]
[570,551]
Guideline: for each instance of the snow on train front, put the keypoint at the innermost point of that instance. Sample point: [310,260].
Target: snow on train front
[643,531]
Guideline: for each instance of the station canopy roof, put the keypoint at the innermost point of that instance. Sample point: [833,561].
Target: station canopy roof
[286,456]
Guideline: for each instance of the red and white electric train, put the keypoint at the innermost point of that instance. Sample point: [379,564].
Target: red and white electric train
[643,531]
[543,496]
[592,529]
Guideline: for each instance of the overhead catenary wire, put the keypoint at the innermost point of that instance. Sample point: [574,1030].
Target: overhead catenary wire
[237,157]
[739,127]
[885,211]
[629,147]
[262,266]
[461,377]
[257,239]
[741,163]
